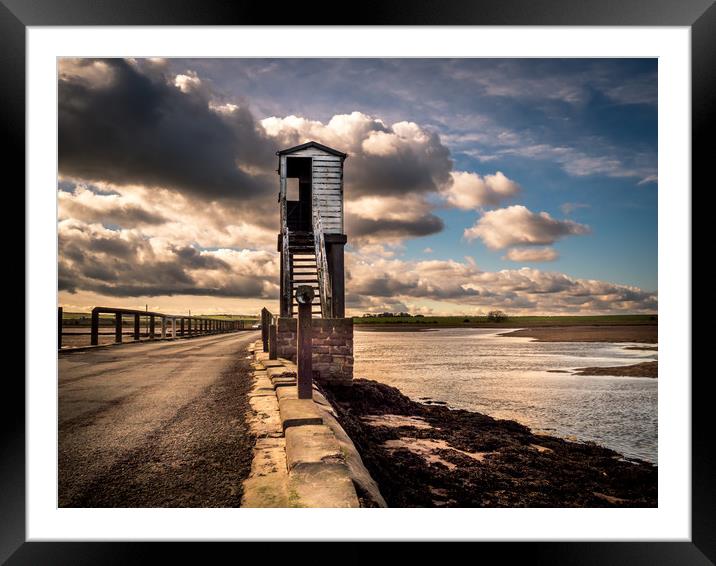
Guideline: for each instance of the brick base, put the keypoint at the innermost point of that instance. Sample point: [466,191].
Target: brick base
[332,343]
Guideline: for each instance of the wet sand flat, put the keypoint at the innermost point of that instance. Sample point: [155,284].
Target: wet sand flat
[644,369]
[645,334]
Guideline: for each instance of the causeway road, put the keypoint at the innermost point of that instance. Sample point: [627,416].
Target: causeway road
[157,424]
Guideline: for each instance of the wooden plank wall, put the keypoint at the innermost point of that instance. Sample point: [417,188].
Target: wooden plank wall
[327,188]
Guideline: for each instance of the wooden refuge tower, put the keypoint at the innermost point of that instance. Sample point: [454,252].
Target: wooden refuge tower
[312,239]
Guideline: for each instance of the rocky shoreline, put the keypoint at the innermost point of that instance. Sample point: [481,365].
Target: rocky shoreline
[429,455]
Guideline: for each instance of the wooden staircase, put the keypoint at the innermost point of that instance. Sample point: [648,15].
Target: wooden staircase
[303,269]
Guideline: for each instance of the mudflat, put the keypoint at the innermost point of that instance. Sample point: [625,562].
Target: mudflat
[643,369]
[434,456]
[644,334]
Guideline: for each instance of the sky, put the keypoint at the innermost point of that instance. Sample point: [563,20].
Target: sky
[524,185]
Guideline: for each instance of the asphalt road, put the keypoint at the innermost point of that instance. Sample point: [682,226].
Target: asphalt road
[155,425]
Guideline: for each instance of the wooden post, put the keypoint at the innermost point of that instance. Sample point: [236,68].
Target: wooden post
[94,331]
[151,327]
[181,326]
[174,328]
[118,328]
[265,327]
[164,327]
[59,328]
[136,327]
[304,361]
[273,347]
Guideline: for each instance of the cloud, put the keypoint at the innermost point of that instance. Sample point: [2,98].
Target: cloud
[118,124]
[574,83]
[390,219]
[127,263]
[517,225]
[471,191]
[132,123]
[170,215]
[531,255]
[85,204]
[462,285]
[649,179]
[578,163]
[399,159]
[570,207]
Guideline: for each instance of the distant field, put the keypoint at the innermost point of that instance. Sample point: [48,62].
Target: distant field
[511,322]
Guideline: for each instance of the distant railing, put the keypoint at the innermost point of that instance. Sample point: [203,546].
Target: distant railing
[170,326]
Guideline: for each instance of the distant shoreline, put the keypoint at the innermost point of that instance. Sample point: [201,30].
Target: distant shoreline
[543,332]
[419,323]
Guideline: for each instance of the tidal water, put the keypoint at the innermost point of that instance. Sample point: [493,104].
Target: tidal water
[509,378]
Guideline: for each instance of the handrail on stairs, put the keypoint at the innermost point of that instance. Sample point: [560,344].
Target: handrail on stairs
[288,290]
[324,280]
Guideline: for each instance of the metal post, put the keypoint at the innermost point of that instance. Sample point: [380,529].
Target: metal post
[304,361]
[273,353]
[136,327]
[118,328]
[59,328]
[264,327]
[151,327]
[94,331]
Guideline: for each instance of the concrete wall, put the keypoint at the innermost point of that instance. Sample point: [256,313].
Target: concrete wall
[332,342]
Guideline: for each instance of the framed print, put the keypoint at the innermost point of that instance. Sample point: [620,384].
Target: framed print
[398,278]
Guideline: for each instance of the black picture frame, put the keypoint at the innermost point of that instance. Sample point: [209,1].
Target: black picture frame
[17,15]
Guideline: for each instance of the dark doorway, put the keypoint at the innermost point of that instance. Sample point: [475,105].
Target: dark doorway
[299,211]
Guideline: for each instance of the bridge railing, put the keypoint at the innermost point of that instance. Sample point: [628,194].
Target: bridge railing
[160,325]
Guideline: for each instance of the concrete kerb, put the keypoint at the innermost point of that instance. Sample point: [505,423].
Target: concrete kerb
[298,412]
[314,469]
